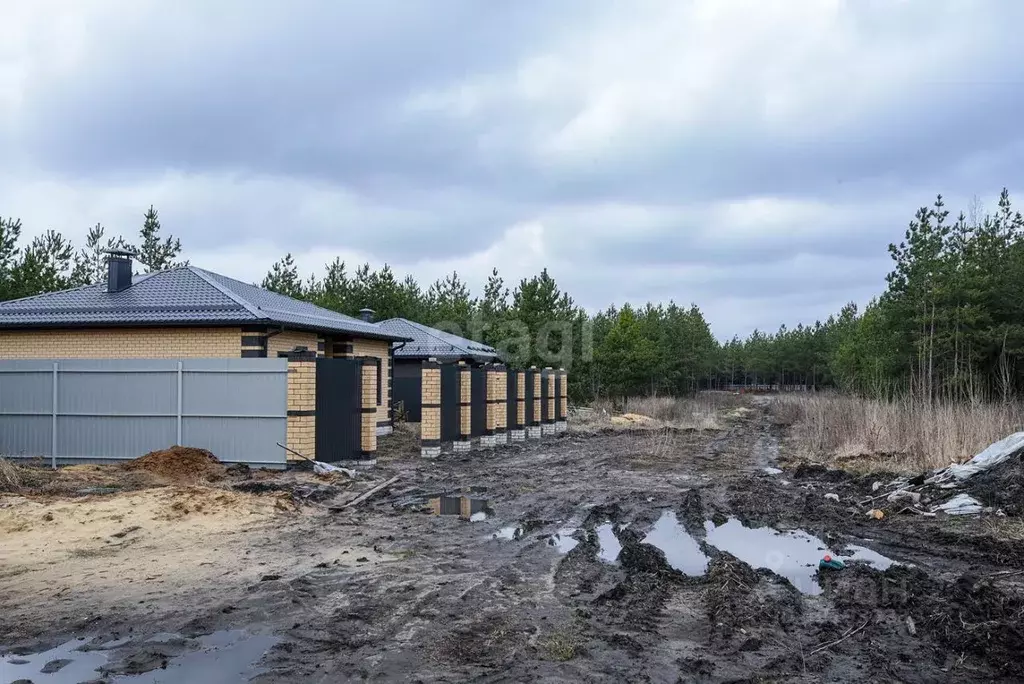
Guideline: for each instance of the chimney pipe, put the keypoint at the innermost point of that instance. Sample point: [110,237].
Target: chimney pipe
[119,270]
[366,315]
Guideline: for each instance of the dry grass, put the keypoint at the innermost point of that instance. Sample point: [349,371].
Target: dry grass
[10,477]
[899,436]
[702,412]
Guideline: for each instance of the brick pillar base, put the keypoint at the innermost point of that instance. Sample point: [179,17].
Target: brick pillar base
[516,435]
[462,446]
[384,430]
[561,426]
[430,452]
[533,431]
[547,429]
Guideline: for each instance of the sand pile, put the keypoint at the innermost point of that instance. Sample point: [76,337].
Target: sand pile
[180,464]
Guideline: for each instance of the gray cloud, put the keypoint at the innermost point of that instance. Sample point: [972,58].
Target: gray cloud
[761,175]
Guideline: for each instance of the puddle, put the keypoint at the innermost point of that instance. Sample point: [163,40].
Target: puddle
[563,541]
[71,665]
[221,658]
[609,544]
[793,554]
[681,550]
[466,507]
[860,553]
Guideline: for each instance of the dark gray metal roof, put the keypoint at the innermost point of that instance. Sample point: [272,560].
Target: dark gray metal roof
[180,296]
[430,342]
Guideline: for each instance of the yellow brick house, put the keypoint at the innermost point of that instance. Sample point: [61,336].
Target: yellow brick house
[189,312]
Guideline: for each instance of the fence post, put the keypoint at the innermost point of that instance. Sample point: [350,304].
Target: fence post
[53,422]
[178,442]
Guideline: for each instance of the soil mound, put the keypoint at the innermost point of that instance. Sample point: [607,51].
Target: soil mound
[181,464]
[1001,486]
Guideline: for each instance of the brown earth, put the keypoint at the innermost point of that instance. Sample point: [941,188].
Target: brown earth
[388,591]
[181,464]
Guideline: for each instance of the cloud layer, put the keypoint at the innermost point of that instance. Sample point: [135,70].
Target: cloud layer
[753,157]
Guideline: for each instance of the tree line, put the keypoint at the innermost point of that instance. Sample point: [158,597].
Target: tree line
[948,325]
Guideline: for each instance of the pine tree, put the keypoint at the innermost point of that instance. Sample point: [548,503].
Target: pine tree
[154,252]
[283,278]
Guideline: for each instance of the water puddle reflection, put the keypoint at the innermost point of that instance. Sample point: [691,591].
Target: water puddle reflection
[220,658]
[466,507]
[793,554]
[563,540]
[609,546]
[681,550]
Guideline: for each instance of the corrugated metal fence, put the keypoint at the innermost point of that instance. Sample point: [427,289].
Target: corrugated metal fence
[98,410]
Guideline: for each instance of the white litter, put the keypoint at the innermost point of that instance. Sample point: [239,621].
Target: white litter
[773,471]
[832,497]
[990,457]
[321,468]
[904,495]
[961,504]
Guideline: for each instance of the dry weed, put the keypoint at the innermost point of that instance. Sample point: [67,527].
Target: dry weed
[697,413]
[900,436]
[10,478]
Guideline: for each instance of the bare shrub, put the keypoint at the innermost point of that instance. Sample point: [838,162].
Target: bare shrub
[899,435]
[10,477]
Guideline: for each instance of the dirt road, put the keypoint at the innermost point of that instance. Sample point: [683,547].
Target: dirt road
[661,556]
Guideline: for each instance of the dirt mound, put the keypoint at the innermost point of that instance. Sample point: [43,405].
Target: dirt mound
[1001,486]
[181,464]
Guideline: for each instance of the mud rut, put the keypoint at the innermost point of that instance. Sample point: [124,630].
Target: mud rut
[451,602]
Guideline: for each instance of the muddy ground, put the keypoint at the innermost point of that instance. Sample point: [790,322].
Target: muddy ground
[551,581]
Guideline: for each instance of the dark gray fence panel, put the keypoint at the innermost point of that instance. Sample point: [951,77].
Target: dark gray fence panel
[118,409]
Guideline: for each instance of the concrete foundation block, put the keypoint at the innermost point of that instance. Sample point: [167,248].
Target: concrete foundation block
[462,447]
[561,426]
[517,435]
[547,429]
[365,463]
[533,431]
[384,430]
[501,439]
[430,452]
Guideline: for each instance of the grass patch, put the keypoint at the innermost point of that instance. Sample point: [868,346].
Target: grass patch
[896,436]
[562,645]
[10,477]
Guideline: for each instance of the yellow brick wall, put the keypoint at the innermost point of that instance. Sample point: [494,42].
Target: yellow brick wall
[492,383]
[550,399]
[501,399]
[378,349]
[430,421]
[368,438]
[564,399]
[302,397]
[521,399]
[121,343]
[466,392]
[288,340]
[536,397]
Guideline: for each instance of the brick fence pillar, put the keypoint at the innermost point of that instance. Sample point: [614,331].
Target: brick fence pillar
[500,406]
[535,430]
[430,420]
[562,423]
[368,412]
[517,432]
[548,426]
[465,440]
[301,428]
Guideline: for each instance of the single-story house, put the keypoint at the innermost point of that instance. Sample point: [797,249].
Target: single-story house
[187,312]
[425,343]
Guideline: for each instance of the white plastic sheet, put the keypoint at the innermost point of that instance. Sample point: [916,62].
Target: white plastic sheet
[961,504]
[989,458]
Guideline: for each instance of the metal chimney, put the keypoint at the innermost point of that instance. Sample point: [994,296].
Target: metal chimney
[119,269]
[366,315]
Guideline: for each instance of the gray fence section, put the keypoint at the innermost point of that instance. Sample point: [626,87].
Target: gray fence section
[98,410]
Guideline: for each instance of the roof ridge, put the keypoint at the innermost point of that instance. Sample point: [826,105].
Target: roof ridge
[248,306]
[427,330]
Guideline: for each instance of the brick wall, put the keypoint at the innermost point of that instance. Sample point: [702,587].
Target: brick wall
[536,396]
[368,437]
[430,422]
[550,399]
[121,343]
[520,399]
[302,407]
[564,399]
[465,401]
[378,349]
[288,340]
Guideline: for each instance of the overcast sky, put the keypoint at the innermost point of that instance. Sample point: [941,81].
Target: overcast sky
[754,157]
